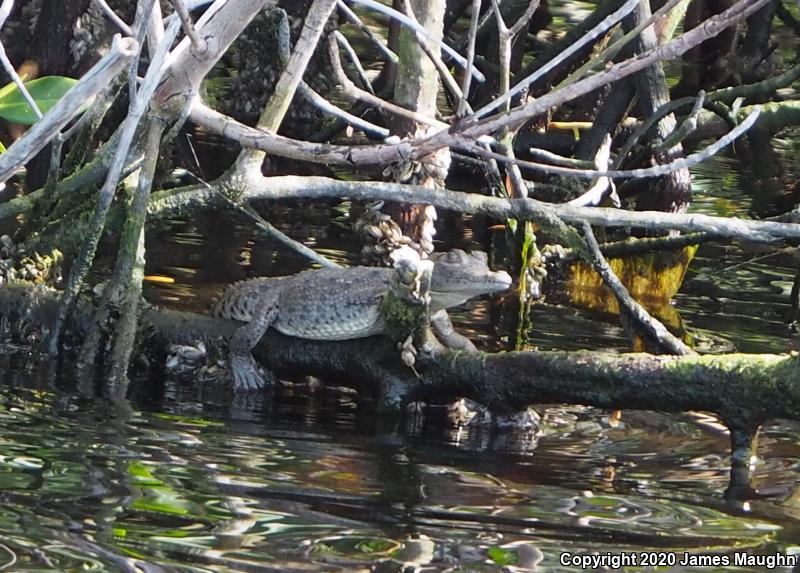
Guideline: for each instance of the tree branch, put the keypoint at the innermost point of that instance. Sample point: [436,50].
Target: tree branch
[37,137]
[256,187]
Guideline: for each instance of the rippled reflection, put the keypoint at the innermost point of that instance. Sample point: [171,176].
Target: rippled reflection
[83,491]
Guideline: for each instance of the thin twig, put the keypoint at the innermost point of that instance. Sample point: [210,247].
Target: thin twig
[326,106]
[655,171]
[483,22]
[9,69]
[114,17]
[353,17]
[5,11]
[604,186]
[677,47]
[351,155]
[638,246]
[505,43]
[362,73]
[38,136]
[467,131]
[594,33]
[198,43]
[403,19]
[144,9]
[351,90]
[461,111]
[557,159]
[764,87]
[270,230]
[647,124]
[533,5]
[608,54]
[686,127]
[274,233]
[291,77]
[444,73]
[642,318]
[13,556]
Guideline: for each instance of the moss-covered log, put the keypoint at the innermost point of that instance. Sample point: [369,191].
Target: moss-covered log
[743,389]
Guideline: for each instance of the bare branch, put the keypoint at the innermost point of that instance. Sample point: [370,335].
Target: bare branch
[223,20]
[655,171]
[352,91]
[533,5]
[447,78]
[473,34]
[351,53]
[293,74]
[114,17]
[604,185]
[198,43]
[686,127]
[677,47]
[5,11]
[9,68]
[403,19]
[256,187]
[465,131]
[627,304]
[593,34]
[327,107]
[36,138]
[556,159]
[141,20]
[155,28]
[390,153]
[276,234]
[608,54]
[353,17]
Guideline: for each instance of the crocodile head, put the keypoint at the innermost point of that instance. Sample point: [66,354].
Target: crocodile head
[458,276]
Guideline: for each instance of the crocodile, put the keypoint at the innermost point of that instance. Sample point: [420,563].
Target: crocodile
[338,303]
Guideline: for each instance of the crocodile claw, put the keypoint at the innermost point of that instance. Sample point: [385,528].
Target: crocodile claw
[246,375]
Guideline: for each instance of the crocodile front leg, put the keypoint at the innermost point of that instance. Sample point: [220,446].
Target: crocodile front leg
[243,366]
[447,334]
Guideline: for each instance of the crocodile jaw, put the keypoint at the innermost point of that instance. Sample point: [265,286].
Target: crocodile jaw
[456,294]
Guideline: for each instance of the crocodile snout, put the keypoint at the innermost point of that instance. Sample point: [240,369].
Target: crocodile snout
[502,280]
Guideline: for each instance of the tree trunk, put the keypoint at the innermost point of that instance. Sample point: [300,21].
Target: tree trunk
[416,88]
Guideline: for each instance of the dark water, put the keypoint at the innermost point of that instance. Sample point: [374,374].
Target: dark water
[306,481]
[315,483]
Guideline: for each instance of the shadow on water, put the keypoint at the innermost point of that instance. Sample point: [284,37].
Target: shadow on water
[315,481]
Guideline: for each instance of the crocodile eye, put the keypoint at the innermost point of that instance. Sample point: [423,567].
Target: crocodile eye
[453,256]
[481,256]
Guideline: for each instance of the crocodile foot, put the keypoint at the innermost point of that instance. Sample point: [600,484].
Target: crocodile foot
[246,374]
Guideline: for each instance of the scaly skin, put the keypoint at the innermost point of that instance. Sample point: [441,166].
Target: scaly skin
[338,304]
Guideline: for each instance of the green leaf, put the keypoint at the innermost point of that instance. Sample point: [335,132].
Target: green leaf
[502,556]
[45,91]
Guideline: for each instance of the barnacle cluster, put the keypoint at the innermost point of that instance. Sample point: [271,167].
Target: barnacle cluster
[16,265]
[381,235]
